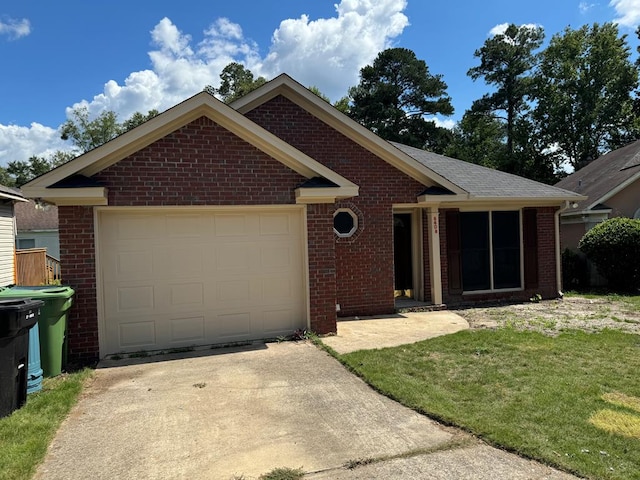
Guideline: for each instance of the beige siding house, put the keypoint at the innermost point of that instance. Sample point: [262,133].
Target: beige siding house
[8,197]
[611,184]
[612,187]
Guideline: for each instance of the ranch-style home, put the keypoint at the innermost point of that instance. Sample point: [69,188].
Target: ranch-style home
[215,224]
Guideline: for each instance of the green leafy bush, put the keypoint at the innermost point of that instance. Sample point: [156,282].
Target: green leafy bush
[614,247]
[575,271]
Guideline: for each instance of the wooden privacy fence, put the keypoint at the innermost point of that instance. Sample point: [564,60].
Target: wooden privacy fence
[35,267]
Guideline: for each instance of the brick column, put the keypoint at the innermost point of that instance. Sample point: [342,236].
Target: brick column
[322,268]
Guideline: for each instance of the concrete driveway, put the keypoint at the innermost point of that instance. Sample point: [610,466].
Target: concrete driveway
[239,413]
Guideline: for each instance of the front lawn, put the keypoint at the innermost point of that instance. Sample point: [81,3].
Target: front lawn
[570,400]
[26,433]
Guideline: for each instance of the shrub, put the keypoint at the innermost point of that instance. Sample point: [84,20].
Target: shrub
[575,271]
[614,247]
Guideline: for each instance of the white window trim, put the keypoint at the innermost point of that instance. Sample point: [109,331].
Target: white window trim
[354,229]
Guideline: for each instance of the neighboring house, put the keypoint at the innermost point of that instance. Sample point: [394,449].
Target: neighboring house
[38,227]
[611,184]
[215,224]
[9,198]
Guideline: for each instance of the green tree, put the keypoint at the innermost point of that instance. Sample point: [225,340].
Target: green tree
[506,62]
[22,171]
[236,82]
[394,96]
[88,134]
[342,104]
[137,119]
[584,92]
[479,138]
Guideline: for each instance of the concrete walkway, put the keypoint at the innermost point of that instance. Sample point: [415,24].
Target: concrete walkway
[390,331]
[239,413]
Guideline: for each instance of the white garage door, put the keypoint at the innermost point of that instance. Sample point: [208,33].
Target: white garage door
[183,277]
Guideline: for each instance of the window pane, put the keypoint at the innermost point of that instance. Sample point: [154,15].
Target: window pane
[474,233]
[506,249]
[26,243]
[343,222]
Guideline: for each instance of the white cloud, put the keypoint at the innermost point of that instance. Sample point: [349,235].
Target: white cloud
[628,12]
[330,52]
[447,123]
[15,28]
[326,52]
[20,143]
[502,27]
[584,7]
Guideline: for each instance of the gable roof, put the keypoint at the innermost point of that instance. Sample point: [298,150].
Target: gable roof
[8,193]
[463,181]
[487,184]
[287,87]
[446,179]
[30,218]
[52,187]
[604,177]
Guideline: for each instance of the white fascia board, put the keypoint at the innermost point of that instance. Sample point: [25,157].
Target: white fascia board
[324,194]
[69,196]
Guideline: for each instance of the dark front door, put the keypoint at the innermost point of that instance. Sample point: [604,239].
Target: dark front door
[403,263]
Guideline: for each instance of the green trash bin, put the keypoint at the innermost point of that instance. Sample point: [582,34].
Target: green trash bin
[52,324]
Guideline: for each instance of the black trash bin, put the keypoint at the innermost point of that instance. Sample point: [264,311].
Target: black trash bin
[17,316]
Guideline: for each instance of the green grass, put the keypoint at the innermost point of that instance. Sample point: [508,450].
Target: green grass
[569,401]
[26,433]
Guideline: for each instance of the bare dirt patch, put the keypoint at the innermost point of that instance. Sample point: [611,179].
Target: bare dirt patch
[554,316]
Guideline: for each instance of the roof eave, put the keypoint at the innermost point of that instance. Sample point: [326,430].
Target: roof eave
[325,194]
[87,196]
[191,109]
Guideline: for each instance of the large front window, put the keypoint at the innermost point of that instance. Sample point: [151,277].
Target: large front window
[490,247]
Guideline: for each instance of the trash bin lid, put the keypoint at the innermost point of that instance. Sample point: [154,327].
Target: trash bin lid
[17,314]
[37,291]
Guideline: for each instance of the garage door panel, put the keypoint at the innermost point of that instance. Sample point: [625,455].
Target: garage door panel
[275,224]
[188,329]
[137,335]
[231,225]
[183,261]
[182,279]
[233,325]
[185,227]
[138,299]
[238,257]
[231,293]
[279,321]
[186,295]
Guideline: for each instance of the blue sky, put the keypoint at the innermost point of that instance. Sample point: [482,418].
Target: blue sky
[132,56]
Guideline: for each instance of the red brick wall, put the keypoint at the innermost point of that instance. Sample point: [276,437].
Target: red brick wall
[364,264]
[547,285]
[199,164]
[322,268]
[77,257]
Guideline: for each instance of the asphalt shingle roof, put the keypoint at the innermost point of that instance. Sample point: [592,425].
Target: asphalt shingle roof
[29,218]
[481,181]
[604,174]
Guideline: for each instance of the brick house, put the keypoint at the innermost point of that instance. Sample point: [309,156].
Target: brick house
[214,224]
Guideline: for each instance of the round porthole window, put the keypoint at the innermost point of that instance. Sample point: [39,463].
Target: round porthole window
[345,222]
